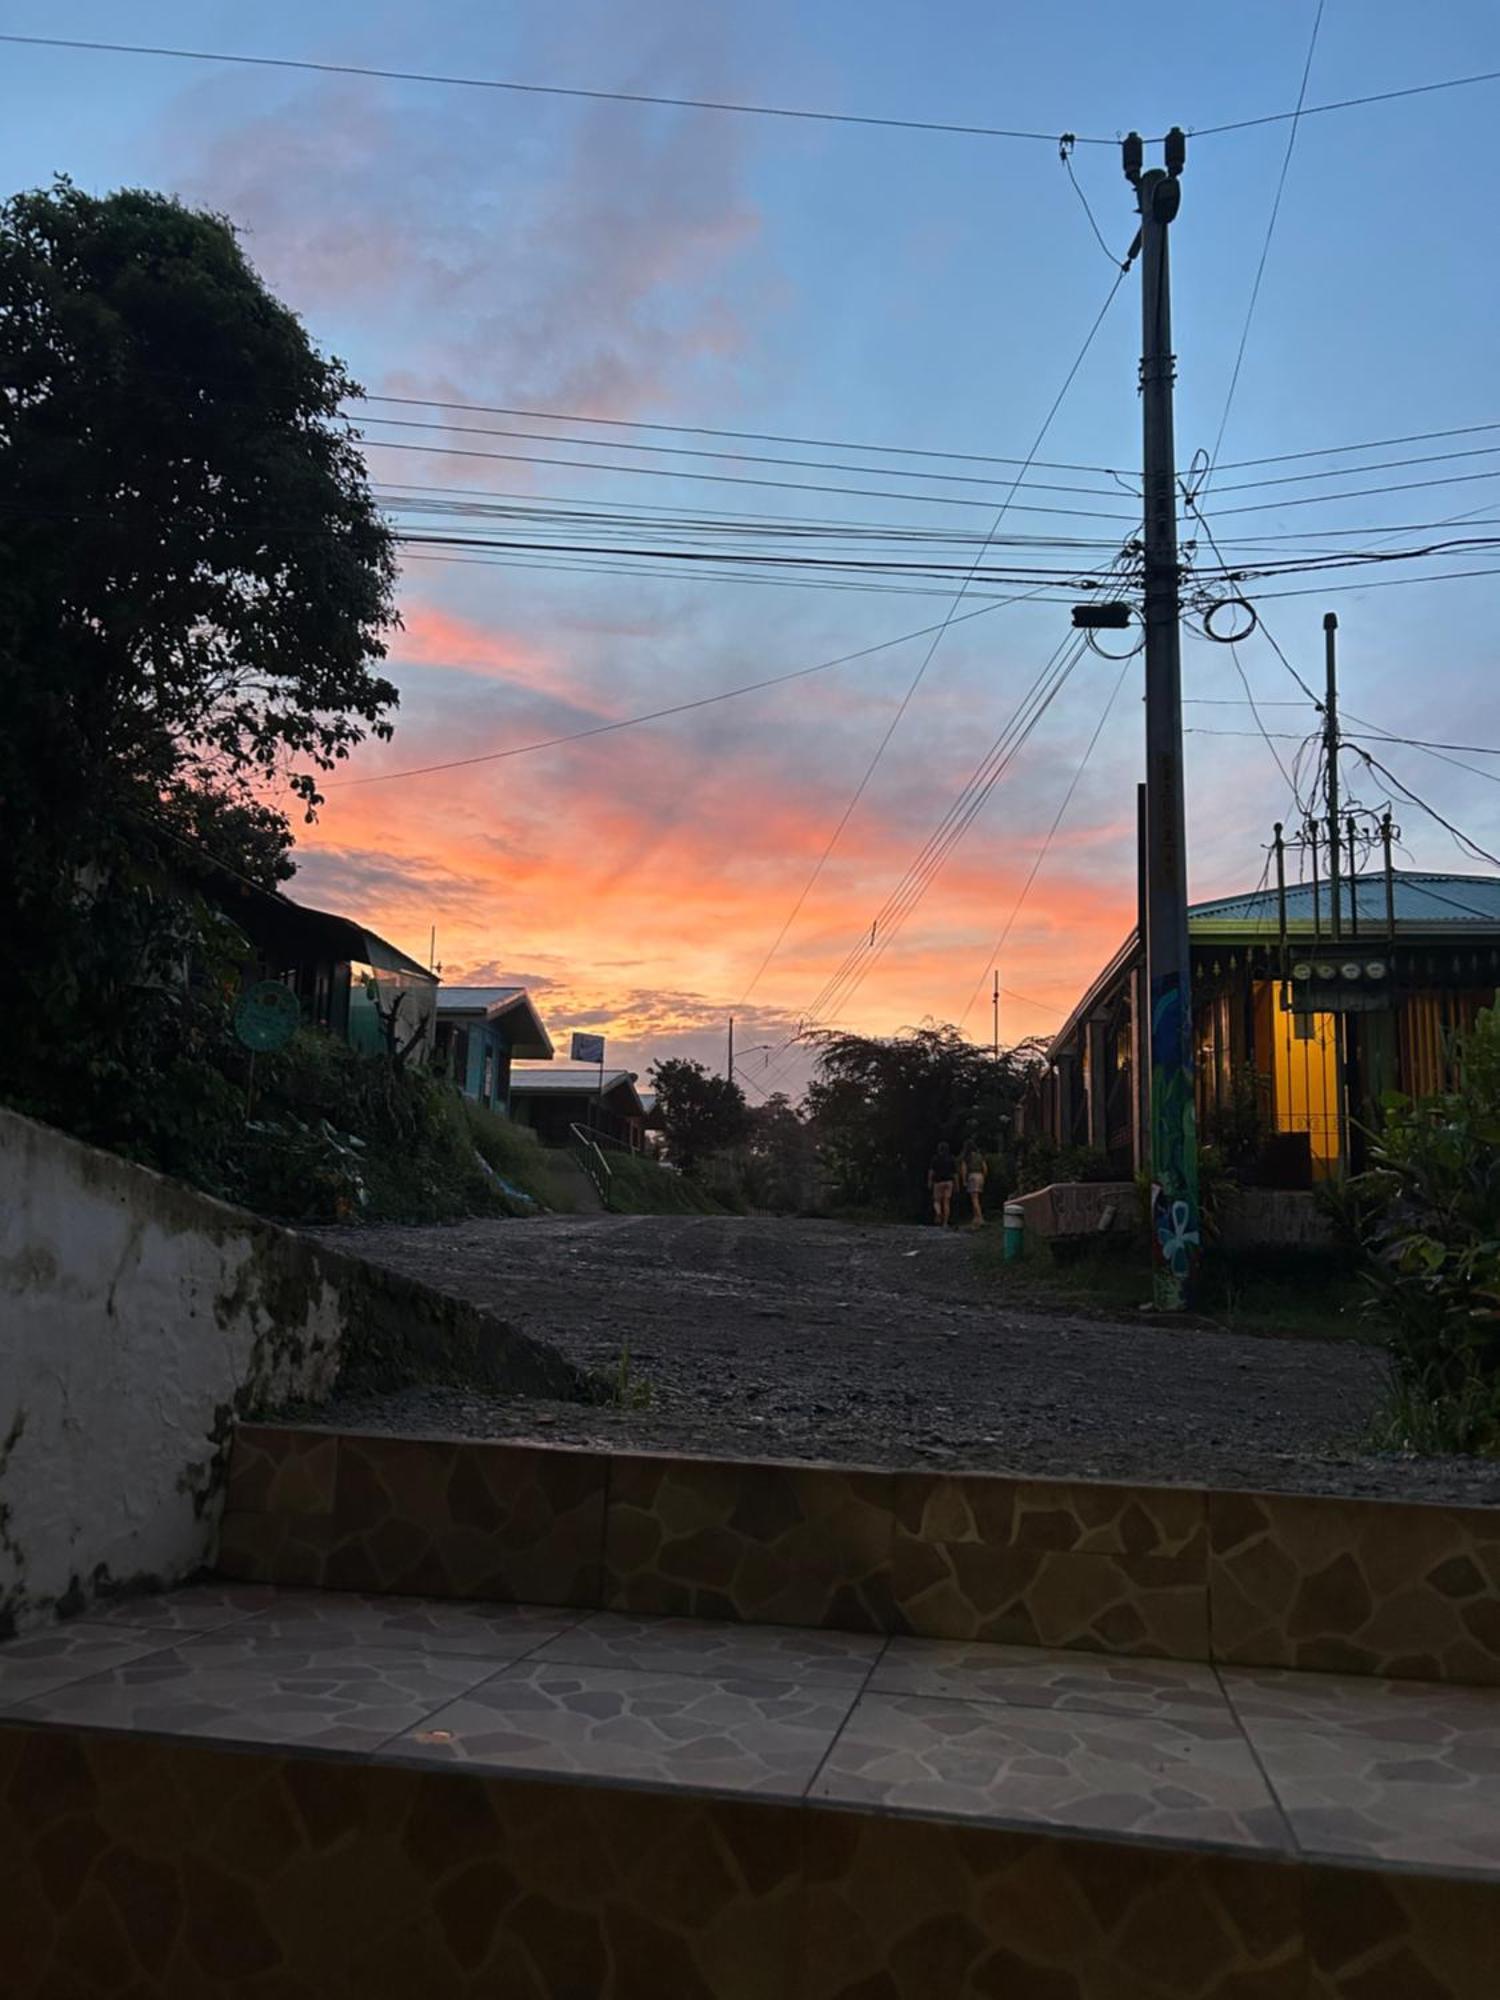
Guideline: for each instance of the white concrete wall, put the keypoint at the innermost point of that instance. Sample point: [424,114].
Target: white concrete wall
[137,1317]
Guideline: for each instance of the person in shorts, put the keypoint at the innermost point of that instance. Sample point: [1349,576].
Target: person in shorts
[941,1175]
[975,1168]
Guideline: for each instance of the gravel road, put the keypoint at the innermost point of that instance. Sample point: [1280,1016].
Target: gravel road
[763,1336]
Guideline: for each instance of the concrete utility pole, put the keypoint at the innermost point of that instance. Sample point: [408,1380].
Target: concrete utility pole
[1176,1224]
[1331,761]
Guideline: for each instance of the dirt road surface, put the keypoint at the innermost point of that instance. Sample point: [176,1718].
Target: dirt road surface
[771,1337]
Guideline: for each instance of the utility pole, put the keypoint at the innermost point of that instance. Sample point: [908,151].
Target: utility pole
[730,1070]
[1337,1032]
[999,1114]
[1331,762]
[1176,1227]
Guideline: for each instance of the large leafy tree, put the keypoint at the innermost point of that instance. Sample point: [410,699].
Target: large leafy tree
[194,587]
[699,1113]
[880,1106]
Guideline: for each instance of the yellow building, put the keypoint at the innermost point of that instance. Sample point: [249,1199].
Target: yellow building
[1297,1034]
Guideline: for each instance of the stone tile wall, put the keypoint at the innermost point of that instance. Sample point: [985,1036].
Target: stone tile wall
[174,1869]
[1364,1587]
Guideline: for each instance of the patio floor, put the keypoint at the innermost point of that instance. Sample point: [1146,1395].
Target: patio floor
[1398,1774]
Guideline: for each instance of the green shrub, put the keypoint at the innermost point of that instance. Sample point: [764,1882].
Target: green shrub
[516,1156]
[1427,1215]
[638,1186]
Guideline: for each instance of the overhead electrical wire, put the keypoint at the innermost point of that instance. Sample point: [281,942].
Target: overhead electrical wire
[475,408]
[1265,251]
[918,677]
[1042,852]
[877,937]
[762,458]
[721,478]
[660,714]
[1464,840]
[546,89]
[796,113]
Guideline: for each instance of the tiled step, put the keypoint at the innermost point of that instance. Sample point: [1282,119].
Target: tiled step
[1399,1589]
[270,1794]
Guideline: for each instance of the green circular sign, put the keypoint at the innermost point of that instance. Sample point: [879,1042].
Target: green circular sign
[268,1015]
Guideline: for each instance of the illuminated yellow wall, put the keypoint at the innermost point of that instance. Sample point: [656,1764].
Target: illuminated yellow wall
[1304,1075]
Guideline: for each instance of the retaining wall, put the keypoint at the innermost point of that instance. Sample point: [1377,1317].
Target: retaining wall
[138,1319]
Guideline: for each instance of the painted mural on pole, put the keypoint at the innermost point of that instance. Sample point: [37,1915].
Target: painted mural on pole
[1176,1229]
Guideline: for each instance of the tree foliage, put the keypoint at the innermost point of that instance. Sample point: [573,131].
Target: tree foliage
[880,1107]
[699,1113]
[194,585]
[1427,1212]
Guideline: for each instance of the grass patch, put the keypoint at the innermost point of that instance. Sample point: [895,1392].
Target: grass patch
[642,1187]
[515,1154]
[1303,1295]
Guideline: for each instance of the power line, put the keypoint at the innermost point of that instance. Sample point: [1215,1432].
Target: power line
[544,89]
[1421,742]
[724,478]
[796,113]
[1346,104]
[1265,248]
[918,677]
[1065,154]
[746,437]
[474,408]
[750,457]
[923,869]
[1042,852]
[1333,450]
[1354,471]
[1375,583]
[1350,493]
[1469,845]
[660,714]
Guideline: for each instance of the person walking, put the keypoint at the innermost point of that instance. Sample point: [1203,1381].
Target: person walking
[975,1170]
[940,1178]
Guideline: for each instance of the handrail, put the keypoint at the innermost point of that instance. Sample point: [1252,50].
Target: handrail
[591,1159]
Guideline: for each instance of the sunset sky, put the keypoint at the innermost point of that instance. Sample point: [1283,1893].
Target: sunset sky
[893,289]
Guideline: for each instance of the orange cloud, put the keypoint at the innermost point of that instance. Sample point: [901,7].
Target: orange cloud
[434,637]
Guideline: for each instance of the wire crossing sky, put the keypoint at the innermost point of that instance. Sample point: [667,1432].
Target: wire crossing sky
[700,348]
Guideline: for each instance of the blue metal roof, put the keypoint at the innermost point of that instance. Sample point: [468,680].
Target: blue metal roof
[1423,903]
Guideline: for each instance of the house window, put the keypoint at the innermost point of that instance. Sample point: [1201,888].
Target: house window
[487,1088]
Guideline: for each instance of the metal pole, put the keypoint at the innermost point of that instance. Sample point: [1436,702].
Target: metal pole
[1390,887]
[1281,897]
[730,1071]
[1353,878]
[1174,1134]
[1331,763]
[999,1114]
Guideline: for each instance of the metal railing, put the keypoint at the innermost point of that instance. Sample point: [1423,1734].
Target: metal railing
[590,1156]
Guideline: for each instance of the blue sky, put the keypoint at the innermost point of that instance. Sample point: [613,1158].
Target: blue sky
[881,287]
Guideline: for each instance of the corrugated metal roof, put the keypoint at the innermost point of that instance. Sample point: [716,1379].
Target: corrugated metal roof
[468,999]
[1423,903]
[585,1080]
[1426,904]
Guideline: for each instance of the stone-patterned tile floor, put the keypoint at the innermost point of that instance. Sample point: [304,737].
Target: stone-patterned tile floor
[1156,1751]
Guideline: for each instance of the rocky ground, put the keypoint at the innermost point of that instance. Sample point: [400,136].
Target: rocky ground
[886,1345]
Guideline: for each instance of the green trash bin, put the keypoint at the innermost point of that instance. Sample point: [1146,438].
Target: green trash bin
[1015,1231]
